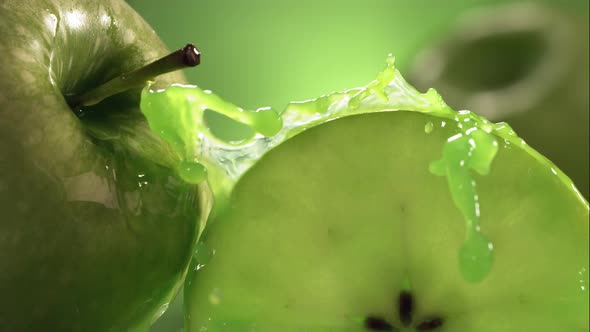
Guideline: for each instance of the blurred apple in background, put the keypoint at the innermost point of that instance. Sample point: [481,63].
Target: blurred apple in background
[526,64]
[264,51]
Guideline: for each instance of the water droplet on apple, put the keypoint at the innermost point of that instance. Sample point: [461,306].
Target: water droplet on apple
[202,254]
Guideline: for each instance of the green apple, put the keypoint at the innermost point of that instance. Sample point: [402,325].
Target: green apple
[96,227]
[379,209]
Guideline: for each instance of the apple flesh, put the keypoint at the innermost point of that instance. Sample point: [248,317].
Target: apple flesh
[96,230]
[336,228]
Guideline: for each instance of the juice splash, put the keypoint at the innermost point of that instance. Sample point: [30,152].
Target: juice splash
[177,114]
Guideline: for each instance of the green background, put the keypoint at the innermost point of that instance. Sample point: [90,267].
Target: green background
[269,52]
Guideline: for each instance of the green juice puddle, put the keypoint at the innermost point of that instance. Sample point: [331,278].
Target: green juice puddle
[177,114]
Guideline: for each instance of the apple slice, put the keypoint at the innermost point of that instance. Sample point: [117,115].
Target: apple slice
[325,230]
[355,225]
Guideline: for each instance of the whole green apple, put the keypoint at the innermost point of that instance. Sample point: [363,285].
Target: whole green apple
[96,229]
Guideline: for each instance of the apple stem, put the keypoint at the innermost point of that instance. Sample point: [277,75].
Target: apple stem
[188,56]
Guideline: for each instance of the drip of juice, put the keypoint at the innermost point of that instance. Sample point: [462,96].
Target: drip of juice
[473,150]
[191,172]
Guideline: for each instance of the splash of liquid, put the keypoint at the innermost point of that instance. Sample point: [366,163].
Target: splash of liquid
[176,113]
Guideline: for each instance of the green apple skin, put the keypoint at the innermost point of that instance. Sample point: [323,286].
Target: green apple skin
[96,230]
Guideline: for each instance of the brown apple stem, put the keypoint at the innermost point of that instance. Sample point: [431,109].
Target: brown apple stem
[188,56]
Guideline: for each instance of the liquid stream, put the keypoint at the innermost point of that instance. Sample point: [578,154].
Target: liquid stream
[177,114]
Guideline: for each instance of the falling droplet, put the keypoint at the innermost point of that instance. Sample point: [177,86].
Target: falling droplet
[202,254]
[476,258]
[192,172]
[266,121]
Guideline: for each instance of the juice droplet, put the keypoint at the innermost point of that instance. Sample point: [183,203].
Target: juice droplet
[266,121]
[177,114]
[474,149]
[202,254]
[192,172]
[429,127]
[476,258]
